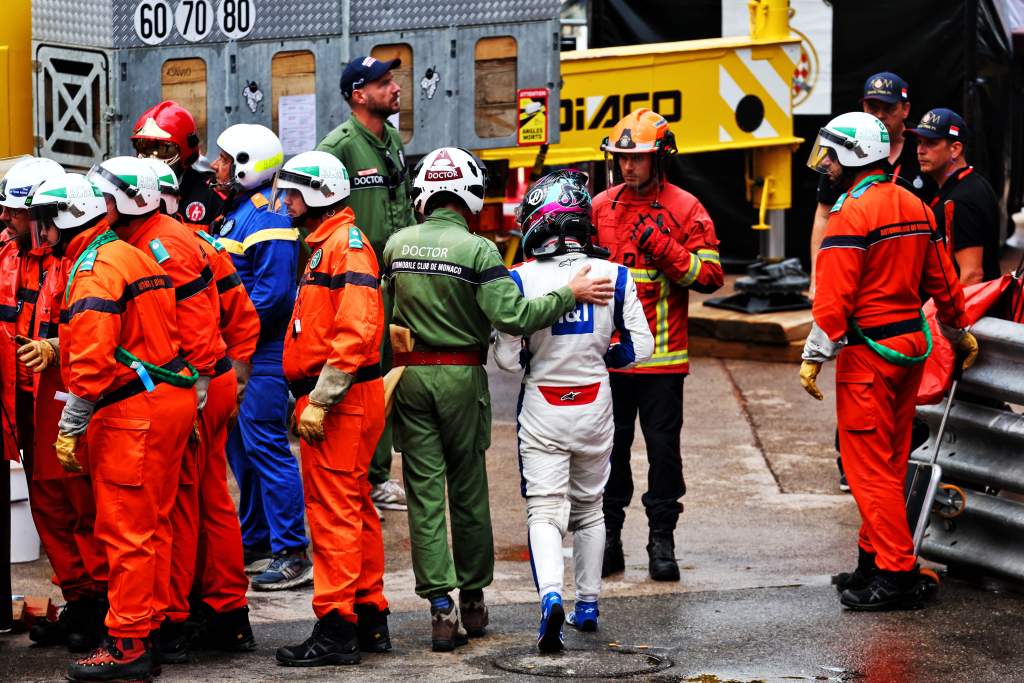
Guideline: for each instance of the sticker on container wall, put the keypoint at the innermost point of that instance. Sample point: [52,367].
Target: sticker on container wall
[428,84]
[253,97]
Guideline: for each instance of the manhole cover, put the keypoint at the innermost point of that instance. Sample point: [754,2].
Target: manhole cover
[617,662]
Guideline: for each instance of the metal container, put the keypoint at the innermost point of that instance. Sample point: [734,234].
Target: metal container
[98,64]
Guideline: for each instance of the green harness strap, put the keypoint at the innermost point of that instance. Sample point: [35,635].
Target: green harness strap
[121,354]
[893,356]
[125,357]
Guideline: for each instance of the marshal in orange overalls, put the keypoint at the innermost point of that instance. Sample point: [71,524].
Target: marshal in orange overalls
[121,298]
[174,249]
[880,253]
[62,502]
[339,319]
[220,567]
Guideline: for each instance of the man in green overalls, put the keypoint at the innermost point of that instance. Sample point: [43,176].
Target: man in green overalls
[371,150]
[450,286]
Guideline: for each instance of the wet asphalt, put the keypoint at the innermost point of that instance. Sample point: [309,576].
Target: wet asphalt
[763,530]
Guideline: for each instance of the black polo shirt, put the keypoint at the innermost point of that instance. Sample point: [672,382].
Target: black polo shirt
[199,202]
[906,169]
[969,200]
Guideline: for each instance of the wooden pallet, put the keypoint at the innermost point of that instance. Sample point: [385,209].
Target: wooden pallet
[772,337]
[765,328]
[773,353]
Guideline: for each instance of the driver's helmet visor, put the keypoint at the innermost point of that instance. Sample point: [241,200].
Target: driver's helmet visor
[163,150]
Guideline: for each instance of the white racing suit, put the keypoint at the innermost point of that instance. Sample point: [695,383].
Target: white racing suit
[564,417]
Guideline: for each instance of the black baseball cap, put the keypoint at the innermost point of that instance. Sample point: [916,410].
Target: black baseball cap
[363,70]
[886,87]
[939,123]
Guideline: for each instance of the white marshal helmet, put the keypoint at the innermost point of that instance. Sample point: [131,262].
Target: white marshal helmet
[256,152]
[69,201]
[450,170]
[319,177]
[852,140]
[131,182]
[22,180]
[170,192]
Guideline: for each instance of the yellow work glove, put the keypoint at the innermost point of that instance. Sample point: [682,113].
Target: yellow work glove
[37,355]
[194,438]
[66,445]
[809,370]
[967,348]
[310,426]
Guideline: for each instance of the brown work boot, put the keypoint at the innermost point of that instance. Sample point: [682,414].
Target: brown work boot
[446,631]
[117,659]
[474,613]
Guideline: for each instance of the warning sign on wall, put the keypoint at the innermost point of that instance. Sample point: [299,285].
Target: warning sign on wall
[533,117]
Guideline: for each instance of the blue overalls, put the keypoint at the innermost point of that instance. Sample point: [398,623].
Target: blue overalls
[264,247]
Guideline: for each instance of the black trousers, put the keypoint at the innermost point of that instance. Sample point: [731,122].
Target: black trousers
[659,401]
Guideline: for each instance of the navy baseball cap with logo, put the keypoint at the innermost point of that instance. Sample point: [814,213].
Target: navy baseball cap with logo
[940,123]
[886,87]
[363,70]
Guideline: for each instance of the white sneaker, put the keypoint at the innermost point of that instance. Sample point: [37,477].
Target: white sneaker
[389,495]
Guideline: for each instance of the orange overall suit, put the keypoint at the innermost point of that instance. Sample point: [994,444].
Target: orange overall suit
[220,567]
[119,298]
[173,247]
[32,266]
[880,253]
[339,319]
[9,281]
[62,502]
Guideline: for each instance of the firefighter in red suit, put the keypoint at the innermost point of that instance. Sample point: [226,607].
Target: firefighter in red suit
[667,240]
[881,253]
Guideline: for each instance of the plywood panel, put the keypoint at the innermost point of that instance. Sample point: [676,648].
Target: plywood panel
[496,106]
[291,73]
[404,76]
[184,81]
[772,353]
[500,47]
[771,328]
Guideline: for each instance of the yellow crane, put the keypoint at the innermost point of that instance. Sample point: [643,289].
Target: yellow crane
[16,78]
[720,94]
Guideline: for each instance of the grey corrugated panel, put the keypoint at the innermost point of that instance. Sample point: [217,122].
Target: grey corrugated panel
[396,15]
[987,535]
[999,372]
[110,23]
[984,446]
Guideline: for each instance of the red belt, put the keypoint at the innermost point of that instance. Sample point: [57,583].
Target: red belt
[441,357]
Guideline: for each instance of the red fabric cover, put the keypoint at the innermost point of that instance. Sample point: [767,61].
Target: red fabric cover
[938,369]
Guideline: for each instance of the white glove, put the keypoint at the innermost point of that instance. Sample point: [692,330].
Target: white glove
[202,389]
[819,348]
[74,419]
[331,386]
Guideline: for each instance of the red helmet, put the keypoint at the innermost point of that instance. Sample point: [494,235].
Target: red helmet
[163,128]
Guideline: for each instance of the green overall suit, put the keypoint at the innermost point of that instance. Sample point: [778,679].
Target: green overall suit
[450,286]
[380,199]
